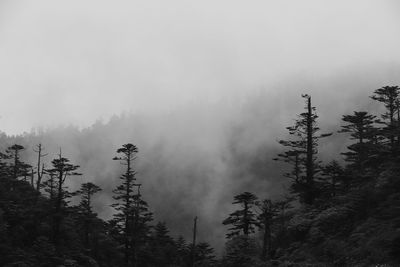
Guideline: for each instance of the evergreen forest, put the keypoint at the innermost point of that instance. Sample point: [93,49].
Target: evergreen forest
[344,211]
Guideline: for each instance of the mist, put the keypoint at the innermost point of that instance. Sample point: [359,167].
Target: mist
[204,89]
[79,61]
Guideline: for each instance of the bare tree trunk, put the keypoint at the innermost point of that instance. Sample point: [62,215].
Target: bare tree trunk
[40,167]
[32,182]
[194,242]
[309,198]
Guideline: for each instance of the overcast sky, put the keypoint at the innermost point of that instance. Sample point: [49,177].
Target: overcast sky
[77,61]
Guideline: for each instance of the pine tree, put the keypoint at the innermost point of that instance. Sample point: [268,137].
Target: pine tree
[361,128]
[50,185]
[295,158]
[389,96]
[268,211]
[61,170]
[243,220]
[4,171]
[141,228]
[282,216]
[17,168]
[241,251]
[302,153]
[182,252]
[282,207]
[205,256]
[125,196]
[333,180]
[86,192]
[132,217]
[162,247]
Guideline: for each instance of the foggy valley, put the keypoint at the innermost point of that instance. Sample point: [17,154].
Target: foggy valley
[205,92]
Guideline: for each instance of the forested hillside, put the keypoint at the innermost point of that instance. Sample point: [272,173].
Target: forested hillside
[344,211]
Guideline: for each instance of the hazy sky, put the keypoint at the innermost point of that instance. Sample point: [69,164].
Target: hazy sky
[76,61]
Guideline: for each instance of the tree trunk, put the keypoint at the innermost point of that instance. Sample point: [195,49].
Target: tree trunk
[266,249]
[309,194]
[245,219]
[39,172]
[194,242]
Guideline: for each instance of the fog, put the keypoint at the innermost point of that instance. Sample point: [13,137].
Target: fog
[75,62]
[207,89]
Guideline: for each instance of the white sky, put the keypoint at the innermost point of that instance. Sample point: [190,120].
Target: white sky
[76,61]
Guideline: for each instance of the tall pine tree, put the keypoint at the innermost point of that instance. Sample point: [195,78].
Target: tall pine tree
[302,153]
[132,217]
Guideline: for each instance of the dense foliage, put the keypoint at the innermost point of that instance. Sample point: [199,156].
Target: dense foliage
[338,213]
[353,215]
[40,227]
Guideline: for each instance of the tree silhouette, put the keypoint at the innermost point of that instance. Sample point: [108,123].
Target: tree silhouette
[389,96]
[141,228]
[86,192]
[132,214]
[125,195]
[182,257]
[40,166]
[333,180]
[361,128]
[17,168]
[302,153]
[204,255]
[162,248]
[243,220]
[61,170]
[241,251]
[50,185]
[268,211]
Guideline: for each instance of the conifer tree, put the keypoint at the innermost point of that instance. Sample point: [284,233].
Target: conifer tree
[86,192]
[282,207]
[182,252]
[162,246]
[282,216]
[17,168]
[268,211]
[295,158]
[241,251]
[61,170]
[243,220]
[302,153]
[50,185]
[389,97]
[132,217]
[141,228]
[360,126]
[333,180]
[125,195]
[4,172]
[205,256]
